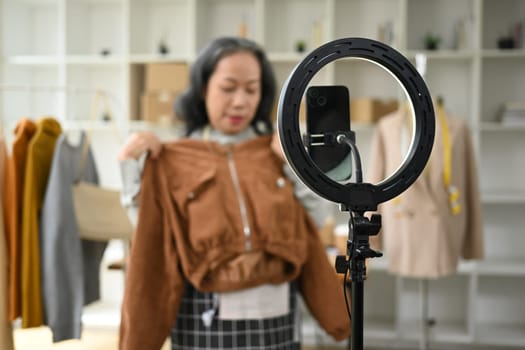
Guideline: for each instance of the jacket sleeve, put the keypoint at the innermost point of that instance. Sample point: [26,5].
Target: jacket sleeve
[318,208]
[473,243]
[131,174]
[154,283]
[60,246]
[322,289]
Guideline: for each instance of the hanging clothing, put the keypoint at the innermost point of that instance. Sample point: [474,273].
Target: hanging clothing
[427,228]
[221,232]
[70,265]
[13,202]
[39,157]
[6,330]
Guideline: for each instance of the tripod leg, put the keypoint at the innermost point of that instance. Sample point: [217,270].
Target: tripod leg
[357,315]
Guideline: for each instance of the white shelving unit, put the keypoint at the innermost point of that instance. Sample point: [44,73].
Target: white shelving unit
[104,44]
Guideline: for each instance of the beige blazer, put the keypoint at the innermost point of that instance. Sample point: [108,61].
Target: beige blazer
[421,236]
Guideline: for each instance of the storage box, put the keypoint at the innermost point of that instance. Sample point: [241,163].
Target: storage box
[158,107]
[370,110]
[166,77]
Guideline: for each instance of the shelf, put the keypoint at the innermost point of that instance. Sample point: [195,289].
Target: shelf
[501,127]
[501,82]
[153,22]
[501,267]
[94,26]
[379,329]
[35,2]
[210,23]
[442,54]
[500,335]
[503,197]
[500,311]
[95,60]
[287,22]
[446,331]
[155,58]
[381,22]
[33,60]
[495,53]
[286,57]
[498,19]
[30,27]
[440,18]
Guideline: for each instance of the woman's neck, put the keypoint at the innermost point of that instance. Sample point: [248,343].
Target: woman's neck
[208,133]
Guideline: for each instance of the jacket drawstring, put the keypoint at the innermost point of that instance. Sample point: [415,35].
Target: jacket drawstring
[208,315]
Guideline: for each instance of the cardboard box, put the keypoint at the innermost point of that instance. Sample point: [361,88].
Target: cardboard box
[158,107]
[166,77]
[370,110]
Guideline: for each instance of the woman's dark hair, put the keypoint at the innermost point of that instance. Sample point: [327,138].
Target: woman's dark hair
[190,105]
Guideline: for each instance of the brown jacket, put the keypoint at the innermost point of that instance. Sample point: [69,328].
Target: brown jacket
[190,227]
[14,185]
[421,235]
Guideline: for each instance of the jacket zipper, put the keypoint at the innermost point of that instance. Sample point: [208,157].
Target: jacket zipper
[240,198]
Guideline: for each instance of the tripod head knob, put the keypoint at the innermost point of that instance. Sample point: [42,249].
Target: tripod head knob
[361,225]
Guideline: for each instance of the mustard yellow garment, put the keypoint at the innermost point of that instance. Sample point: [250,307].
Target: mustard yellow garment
[39,157]
[6,331]
[13,192]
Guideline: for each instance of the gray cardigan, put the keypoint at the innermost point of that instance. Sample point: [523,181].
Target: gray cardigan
[70,265]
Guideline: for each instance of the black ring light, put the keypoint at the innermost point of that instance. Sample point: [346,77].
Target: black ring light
[356,196]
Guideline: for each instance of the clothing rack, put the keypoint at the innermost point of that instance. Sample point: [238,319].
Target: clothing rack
[74,91]
[89,124]
[57,88]
[74,124]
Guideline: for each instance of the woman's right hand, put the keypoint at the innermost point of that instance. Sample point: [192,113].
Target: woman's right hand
[138,143]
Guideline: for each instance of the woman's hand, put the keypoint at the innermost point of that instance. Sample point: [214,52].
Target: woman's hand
[276,146]
[139,143]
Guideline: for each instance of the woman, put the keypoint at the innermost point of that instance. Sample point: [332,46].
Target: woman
[222,244]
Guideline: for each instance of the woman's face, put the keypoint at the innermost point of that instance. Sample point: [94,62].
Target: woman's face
[233,92]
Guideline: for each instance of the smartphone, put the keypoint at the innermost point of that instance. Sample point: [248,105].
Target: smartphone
[328,111]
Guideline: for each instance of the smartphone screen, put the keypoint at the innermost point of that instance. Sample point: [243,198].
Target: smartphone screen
[328,110]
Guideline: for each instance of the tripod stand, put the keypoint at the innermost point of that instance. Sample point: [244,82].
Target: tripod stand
[360,228]
[356,197]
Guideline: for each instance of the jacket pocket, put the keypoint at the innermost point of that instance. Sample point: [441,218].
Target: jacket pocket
[274,206]
[198,197]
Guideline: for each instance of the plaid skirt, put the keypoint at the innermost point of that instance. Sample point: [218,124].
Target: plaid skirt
[189,332]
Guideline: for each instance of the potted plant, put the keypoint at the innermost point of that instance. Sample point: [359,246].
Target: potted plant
[432,41]
[300,45]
